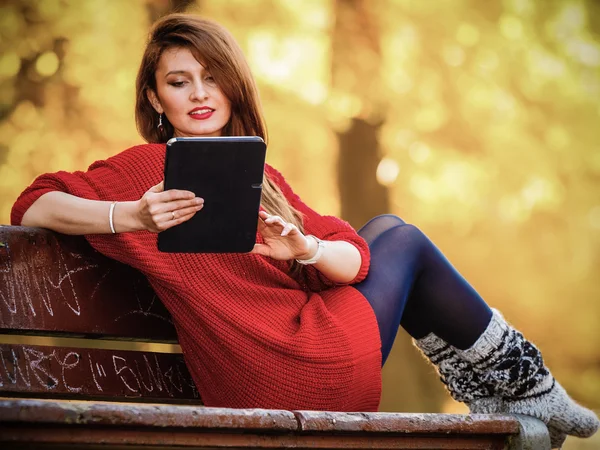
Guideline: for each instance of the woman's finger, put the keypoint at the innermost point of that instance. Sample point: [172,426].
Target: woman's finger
[261,249]
[288,228]
[174,194]
[166,218]
[272,218]
[187,211]
[178,220]
[175,215]
[159,208]
[275,220]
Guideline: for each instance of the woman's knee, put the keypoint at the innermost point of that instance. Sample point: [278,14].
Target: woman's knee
[378,225]
[407,237]
[411,232]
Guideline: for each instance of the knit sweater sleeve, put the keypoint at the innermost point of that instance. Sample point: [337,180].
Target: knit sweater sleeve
[328,228]
[88,185]
[117,178]
[123,177]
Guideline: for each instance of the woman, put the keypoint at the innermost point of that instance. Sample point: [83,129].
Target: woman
[296,323]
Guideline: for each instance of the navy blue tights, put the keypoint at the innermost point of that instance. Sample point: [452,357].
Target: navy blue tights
[411,283]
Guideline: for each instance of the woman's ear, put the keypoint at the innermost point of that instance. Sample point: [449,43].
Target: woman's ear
[152,97]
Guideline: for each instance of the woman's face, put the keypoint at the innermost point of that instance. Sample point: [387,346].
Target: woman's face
[188,95]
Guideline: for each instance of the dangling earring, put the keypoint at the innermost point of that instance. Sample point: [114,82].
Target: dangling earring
[160,124]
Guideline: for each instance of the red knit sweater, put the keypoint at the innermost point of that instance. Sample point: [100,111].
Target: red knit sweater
[251,334]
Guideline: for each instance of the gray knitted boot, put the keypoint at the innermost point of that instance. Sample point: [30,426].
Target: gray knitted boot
[463,383]
[466,385]
[512,368]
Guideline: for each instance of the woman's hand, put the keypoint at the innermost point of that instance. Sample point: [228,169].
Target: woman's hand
[159,210]
[282,240]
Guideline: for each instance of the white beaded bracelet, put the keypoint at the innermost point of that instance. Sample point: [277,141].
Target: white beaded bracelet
[111,213]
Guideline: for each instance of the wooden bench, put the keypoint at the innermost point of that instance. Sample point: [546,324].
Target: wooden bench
[69,393]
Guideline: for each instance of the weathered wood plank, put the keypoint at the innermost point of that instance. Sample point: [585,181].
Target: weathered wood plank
[94,423]
[57,283]
[91,437]
[94,373]
[357,422]
[156,415]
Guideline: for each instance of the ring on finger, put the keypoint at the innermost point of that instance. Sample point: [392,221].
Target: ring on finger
[173,214]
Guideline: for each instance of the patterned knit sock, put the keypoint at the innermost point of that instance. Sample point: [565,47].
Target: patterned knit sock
[465,385]
[462,382]
[513,368]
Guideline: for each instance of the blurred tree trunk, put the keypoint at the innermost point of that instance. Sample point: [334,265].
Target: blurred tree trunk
[409,383]
[355,61]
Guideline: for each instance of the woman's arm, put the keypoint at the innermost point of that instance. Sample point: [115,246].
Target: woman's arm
[340,260]
[155,211]
[68,214]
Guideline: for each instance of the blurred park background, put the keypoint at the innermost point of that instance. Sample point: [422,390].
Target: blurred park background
[477,121]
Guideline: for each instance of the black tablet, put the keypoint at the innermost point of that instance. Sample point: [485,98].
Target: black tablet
[227,172]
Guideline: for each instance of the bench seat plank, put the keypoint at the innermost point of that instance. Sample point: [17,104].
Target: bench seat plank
[61,412]
[60,438]
[104,423]
[319,421]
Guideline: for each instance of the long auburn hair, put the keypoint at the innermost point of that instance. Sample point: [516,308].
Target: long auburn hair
[219,53]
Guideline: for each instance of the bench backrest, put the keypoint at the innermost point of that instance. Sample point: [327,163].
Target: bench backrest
[58,286]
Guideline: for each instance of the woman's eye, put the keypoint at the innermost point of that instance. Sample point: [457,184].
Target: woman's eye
[177,83]
[209,78]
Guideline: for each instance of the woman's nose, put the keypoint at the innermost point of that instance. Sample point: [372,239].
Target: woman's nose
[199,92]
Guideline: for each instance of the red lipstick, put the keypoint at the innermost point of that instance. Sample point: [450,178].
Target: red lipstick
[201,113]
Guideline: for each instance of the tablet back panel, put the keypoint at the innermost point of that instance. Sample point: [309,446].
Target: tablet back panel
[227,173]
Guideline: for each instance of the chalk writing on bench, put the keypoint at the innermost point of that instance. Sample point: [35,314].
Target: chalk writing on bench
[37,287]
[141,309]
[25,282]
[93,372]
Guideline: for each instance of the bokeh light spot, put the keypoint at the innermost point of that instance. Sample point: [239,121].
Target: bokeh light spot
[47,64]
[430,119]
[419,152]
[586,52]
[511,209]
[511,27]
[454,55]
[467,34]
[423,188]
[10,63]
[595,217]
[387,171]
[25,114]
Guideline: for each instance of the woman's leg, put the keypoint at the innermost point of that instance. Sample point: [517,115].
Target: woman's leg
[481,358]
[411,283]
